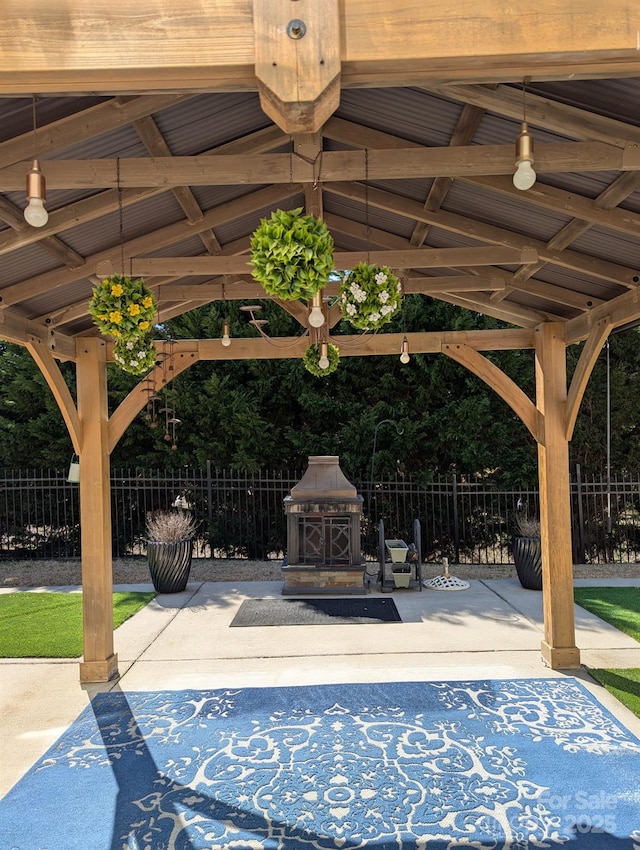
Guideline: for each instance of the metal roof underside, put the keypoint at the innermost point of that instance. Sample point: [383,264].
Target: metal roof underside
[584,225]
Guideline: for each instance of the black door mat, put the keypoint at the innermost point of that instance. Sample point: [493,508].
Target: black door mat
[315,612]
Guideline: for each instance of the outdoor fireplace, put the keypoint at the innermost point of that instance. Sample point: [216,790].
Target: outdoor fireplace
[323,512]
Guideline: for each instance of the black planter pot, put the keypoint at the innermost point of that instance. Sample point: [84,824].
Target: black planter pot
[170,564]
[527,555]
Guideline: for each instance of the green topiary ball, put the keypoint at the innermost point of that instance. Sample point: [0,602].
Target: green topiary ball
[291,254]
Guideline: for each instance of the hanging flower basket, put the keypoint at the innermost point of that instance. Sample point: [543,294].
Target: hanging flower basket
[122,307]
[291,254]
[369,296]
[311,359]
[135,355]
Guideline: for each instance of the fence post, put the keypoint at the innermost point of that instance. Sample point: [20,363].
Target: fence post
[209,494]
[581,546]
[456,531]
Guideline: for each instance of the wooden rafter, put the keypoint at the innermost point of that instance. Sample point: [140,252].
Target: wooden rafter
[485,232]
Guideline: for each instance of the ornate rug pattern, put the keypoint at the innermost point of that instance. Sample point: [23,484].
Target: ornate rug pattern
[512,764]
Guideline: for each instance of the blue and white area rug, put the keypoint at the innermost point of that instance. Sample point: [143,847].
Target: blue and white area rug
[497,764]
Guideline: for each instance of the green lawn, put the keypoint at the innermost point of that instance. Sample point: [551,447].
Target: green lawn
[619,606]
[49,625]
[623,684]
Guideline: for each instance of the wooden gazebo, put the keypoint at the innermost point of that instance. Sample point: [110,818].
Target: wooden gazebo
[396,123]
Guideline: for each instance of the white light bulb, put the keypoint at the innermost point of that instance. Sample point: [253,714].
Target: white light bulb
[524,176]
[35,214]
[323,363]
[404,357]
[316,317]
[226,339]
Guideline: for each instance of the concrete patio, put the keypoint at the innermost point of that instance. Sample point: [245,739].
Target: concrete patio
[492,630]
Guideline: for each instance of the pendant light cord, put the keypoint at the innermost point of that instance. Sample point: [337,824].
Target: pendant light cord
[120,215]
[35,125]
[366,203]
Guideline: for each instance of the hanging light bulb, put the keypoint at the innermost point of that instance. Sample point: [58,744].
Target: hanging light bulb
[524,176]
[226,339]
[323,362]
[35,213]
[404,351]
[316,316]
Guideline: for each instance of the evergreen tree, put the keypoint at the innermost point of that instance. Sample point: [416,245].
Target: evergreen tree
[272,413]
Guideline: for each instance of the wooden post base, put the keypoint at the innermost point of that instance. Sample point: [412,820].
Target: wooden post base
[560,658]
[99,671]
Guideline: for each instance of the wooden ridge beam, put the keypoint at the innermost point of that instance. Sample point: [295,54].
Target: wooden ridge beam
[121,51]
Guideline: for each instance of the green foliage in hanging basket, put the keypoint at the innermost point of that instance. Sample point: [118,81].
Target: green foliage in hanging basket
[369,296]
[122,307]
[135,355]
[291,254]
[311,359]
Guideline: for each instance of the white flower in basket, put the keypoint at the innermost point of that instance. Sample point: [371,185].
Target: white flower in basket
[369,296]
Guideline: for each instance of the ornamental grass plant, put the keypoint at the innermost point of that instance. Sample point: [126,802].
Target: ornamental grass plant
[170,526]
[528,526]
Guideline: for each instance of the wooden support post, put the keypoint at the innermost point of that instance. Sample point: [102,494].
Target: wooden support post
[100,662]
[558,647]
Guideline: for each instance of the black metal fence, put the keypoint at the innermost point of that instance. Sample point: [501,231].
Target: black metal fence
[241,514]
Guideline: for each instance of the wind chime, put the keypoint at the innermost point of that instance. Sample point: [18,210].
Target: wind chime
[171,420]
[153,399]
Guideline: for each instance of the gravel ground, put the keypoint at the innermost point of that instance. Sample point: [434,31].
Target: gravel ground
[134,571]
